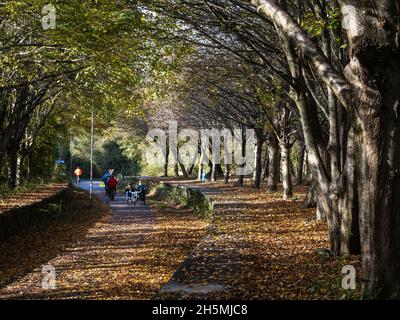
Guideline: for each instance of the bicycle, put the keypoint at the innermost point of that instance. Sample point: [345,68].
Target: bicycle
[132,196]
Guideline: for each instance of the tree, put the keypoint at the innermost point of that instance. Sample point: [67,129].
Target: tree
[369,100]
[97,57]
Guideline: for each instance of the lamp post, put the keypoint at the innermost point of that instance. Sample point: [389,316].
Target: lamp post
[91,162]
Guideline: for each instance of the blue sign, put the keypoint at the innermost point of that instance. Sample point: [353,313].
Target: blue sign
[60,161]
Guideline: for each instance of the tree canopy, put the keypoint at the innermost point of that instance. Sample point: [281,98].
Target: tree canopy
[316,80]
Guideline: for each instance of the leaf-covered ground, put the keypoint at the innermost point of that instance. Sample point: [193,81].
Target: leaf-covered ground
[25,197]
[258,247]
[30,249]
[262,247]
[99,254]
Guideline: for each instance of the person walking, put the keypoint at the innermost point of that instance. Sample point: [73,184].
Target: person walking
[111,184]
[78,173]
[105,178]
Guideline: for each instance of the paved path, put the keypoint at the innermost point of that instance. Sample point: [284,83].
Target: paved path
[102,262]
[203,274]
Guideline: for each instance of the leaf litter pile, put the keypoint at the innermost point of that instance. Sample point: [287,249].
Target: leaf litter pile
[98,254]
[262,247]
[25,198]
[257,247]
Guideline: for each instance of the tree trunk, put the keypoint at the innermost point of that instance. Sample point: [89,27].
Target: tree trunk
[310,200]
[200,163]
[374,72]
[28,166]
[227,173]
[190,169]
[292,172]
[183,169]
[200,173]
[300,166]
[1,165]
[243,149]
[371,97]
[176,170]
[220,171]
[348,205]
[20,164]
[12,157]
[273,164]
[286,176]
[266,163]
[214,172]
[166,161]
[278,175]
[258,162]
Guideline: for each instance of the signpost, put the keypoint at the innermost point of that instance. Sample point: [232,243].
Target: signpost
[91,162]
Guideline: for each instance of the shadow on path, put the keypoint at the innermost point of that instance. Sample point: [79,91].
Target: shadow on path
[104,264]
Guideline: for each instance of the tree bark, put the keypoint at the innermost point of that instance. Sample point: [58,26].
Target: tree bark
[300,166]
[183,169]
[243,149]
[12,157]
[273,164]
[227,173]
[28,166]
[310,199]
[348,205]
[214,172]
[266,163]
[292,172]
[201,170]
[190,169]
[374,72]
[370,95]
[176,170]
[286,176]
[258,161]
[20,164]
[166,161]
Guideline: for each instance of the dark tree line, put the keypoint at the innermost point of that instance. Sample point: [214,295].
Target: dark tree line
[337,85]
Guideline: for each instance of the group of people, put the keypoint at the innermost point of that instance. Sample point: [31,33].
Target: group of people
[140,188]
[111,183]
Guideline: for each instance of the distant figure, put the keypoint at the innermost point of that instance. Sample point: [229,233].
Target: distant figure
[107,176]
[128,189]
[78,172]
[129,192]
[141,188]
[111,185]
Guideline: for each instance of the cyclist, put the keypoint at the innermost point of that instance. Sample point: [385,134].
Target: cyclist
[129,190]
[111,185]
[142,189]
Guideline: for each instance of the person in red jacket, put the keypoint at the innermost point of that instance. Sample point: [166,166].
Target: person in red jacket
[111,184]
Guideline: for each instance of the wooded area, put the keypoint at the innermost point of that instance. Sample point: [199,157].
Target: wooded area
[317,80]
